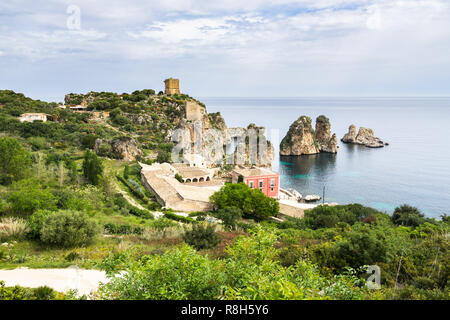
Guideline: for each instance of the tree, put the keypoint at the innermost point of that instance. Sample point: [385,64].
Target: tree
[92,167]
[252,202]
[126,172]
[229,216]
[14,160]
[73,170]
[409,216]
[163,156]
[27,196]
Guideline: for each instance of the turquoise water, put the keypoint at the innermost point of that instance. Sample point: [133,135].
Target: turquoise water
[413,169]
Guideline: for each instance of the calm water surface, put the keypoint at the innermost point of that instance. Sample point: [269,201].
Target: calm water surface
[413,169]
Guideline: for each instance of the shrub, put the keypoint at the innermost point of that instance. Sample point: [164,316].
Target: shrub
[44,293]
[202,236]
[178,177]
[178,274]
[406,215]
[36,221]
[229,216]
[37,143]
[140,213]
[67,228]
[72,256]
[325,216]
[173,216]
[123,229]
[13,228]
[27,196]
[88,141]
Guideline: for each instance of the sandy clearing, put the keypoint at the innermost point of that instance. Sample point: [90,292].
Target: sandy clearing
[85,281]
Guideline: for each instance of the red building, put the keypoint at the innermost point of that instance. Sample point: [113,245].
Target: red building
[264,179]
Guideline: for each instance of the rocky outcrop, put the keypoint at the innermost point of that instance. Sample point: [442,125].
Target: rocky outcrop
[120,148]
[350,136]
[302,139]
[125,148]
[218,145]
[364,137]
[327,142]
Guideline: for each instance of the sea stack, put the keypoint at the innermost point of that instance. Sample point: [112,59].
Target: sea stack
[364,137]
[327,142]
[302,139]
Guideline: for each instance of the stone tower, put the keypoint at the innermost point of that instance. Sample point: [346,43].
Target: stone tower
[172,86]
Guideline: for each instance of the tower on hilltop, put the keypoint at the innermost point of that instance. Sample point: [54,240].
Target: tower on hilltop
[172,86]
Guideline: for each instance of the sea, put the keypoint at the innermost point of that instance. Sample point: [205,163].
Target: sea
[414,169]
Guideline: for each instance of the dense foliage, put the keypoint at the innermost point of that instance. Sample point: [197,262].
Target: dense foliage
[252,202]
[68,229]
[250,271]
[15,160]
[202,236]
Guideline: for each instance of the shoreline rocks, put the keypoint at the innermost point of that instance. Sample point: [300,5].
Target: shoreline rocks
[303,139]
[364,137]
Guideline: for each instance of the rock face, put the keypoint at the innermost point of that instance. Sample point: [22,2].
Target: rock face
[327,143]
[364,137]
[302,139]
[209,137]
[120,148]
[350,136]
[125,148]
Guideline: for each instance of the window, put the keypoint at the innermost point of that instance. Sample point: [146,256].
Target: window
[272,184]
[261,184]
[251,184]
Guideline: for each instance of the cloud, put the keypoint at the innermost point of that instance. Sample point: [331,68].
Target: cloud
[334,45]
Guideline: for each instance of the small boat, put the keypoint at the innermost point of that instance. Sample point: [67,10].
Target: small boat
[312,198]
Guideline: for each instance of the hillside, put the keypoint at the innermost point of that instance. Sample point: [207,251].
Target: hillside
[67,200]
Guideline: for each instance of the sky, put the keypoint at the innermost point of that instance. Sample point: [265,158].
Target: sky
[227,48]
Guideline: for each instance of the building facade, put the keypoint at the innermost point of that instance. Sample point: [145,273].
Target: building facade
[30,117]
[264,179]
[172,86]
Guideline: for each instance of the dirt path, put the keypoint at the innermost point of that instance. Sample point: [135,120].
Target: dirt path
[61,280]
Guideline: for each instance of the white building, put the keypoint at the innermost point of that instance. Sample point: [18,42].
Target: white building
[30,117]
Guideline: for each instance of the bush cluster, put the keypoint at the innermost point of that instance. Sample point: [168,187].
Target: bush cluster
[114,228]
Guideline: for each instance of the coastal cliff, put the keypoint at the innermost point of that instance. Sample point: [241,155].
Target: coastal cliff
[303,139]
[207,138]
[364,137]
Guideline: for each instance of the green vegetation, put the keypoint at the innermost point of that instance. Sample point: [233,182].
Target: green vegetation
[14,160]
[68,229]
[92,167]
[63,204]
[253,202]
[229,216]
[20,293]
[202,236]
